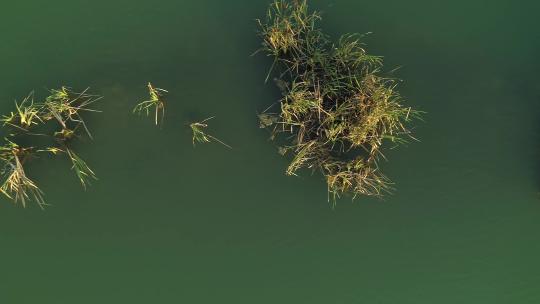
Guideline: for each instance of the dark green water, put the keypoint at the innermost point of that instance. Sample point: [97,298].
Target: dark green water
[167,223]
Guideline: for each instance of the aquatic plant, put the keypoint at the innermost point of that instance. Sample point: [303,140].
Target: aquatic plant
[15,184]
[25,116]
[156,102]
[84,173]
[65,106]
[337,111]
[200,136]
[58,120]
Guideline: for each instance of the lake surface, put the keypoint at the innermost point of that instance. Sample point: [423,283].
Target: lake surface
[169,223]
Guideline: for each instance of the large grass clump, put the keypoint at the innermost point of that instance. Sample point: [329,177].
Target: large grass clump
[337,112]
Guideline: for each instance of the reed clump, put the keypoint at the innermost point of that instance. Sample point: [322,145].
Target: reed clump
[53,124]
[337,111]
[156,104]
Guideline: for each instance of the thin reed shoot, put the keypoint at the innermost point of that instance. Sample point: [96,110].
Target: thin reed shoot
[83,172]
[155,103]
[200,135]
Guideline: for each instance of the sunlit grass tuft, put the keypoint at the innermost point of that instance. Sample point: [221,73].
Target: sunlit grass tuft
[155,103]
[200,135]
[58,121]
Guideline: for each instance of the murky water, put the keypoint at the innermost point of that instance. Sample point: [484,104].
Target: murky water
[167,223]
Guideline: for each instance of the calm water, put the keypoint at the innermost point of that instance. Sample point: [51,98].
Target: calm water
[167,223]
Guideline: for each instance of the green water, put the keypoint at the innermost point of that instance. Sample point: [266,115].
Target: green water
[167,223]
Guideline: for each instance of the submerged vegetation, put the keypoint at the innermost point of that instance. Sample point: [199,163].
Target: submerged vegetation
[55,124]
[156,104]
[337,112]
[200,136]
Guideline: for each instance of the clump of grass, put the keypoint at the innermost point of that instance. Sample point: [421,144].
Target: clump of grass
[59,120]
[66,106]
[156,103]
[15,184]
[200,135]
[337,111]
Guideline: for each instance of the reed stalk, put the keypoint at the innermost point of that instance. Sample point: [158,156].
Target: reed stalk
[59,120]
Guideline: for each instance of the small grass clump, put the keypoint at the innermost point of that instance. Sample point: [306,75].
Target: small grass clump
[200,135]
[337,111]
[16,185]
[155,103]
[55,123]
